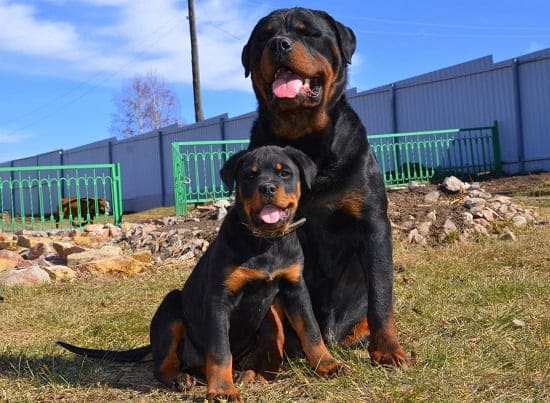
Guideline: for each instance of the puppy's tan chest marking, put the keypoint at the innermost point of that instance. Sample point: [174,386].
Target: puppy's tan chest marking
[238,276]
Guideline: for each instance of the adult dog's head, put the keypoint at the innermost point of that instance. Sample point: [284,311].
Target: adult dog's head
[297,59]
[269,182]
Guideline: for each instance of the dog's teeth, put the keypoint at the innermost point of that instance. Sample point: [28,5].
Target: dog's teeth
[306,82]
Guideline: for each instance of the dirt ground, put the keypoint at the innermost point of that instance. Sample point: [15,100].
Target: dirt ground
[404,203]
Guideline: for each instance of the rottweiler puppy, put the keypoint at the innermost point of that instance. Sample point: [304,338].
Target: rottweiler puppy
[297,59]
[247,283]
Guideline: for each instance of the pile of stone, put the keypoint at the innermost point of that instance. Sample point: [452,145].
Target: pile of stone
[34,257]
[476,213]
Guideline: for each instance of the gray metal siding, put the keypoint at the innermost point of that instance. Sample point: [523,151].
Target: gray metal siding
[94,153]
[535,109]
[470,94]
[374,109]
[239,127]
[140,172]
[467,101]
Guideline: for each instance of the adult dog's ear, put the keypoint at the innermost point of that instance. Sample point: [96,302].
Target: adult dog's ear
[307,167]
[345,36]
[229,170]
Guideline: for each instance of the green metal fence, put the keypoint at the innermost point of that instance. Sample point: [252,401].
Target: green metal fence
[403,157]
[196,167]
[59,196]
[428,155]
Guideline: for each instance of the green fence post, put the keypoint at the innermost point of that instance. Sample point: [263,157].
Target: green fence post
[118,187]
[496,148]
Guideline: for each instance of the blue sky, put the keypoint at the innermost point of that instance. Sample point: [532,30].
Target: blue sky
[62,61]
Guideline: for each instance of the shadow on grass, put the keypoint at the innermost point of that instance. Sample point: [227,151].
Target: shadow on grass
[84,373]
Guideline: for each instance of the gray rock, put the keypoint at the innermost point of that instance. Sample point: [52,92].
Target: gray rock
[105,252]
[501,199]
[519,221]
[222,203]
[432,197]
[424,228]
[508,236]
[93,227]
[480,229]
[431,216]
[475,186]
[476,212]
[488,214]
[470,202]
[453,184]
[24,277]
[449,226]
[415,237]
[467,217]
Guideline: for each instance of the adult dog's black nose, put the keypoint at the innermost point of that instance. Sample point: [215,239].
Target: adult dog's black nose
[267,189]
[280,45]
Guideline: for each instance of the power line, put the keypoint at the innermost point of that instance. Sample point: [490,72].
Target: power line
[439,25]
[453,35]
[107,77]
[211,24]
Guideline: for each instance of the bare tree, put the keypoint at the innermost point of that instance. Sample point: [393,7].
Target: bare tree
[145,103]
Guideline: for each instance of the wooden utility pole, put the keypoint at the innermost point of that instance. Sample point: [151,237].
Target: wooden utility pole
[195,61]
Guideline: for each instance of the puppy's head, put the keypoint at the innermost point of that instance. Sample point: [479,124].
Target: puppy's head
[269,181]
[297,59]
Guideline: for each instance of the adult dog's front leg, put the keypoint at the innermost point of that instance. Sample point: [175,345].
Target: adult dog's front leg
[376,259]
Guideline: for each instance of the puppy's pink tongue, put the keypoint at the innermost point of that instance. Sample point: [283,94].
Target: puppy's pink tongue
[270,214]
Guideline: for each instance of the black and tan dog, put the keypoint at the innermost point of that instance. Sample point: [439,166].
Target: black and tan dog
[248,282]
[297,59]
[87,208]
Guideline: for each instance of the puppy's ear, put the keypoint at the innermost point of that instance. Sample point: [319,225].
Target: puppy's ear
[245,59]
[230,168]
[307,167]
[345,36]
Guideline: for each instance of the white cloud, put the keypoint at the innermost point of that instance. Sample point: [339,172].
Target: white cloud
[22,32]
[354,71]
[11,145]
[141,36]
[7,137]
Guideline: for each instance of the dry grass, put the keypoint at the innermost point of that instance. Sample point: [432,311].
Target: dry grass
[456,307]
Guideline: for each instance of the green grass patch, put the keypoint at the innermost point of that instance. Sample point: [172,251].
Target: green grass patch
[474,315]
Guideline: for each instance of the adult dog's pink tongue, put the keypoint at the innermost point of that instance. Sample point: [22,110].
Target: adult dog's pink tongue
[287,85]
[270,214]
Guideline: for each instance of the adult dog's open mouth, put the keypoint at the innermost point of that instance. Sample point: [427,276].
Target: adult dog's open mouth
[288,84]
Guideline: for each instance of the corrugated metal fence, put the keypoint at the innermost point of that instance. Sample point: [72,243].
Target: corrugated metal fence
[515,92]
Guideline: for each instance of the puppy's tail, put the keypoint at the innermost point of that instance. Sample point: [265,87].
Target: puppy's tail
[140,354]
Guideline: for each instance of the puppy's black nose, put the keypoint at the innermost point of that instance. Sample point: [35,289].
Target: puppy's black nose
[280,45]
[267,189]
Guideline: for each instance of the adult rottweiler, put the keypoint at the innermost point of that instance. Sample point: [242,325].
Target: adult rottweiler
[297,59]
[248,282]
